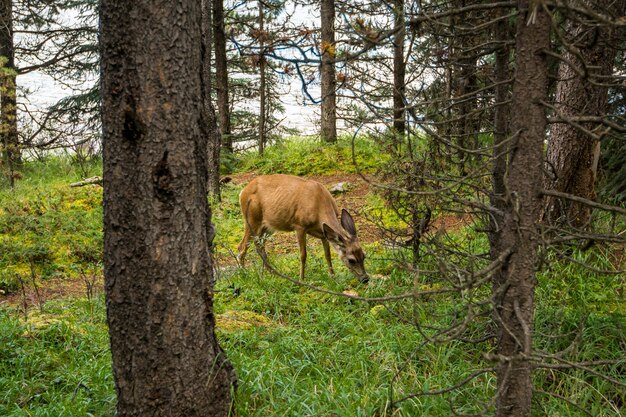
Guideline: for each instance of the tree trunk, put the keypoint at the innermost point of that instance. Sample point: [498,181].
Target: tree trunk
[214,138]
[500,133]
[465,81]
[8,110]
[572,153]
[328,81]
[166,359]
[514,284]
[263,81]
[221,75]
[399,68]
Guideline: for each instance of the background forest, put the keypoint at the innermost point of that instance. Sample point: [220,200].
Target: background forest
[479,146]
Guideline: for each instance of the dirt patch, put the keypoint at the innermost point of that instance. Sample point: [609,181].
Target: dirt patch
[618,258]
[49,289]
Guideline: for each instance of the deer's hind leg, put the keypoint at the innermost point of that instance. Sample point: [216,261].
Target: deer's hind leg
[243,245]
[252,228]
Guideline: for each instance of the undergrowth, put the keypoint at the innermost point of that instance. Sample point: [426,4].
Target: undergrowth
[297,352]
[311,157]
[56,363]
[48,229]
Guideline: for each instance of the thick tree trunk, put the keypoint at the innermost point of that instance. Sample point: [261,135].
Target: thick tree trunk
[573,154]
[221,75]
[11,153]
[214,138]
[399,68]
[166,359]
[514,284]
[329,97]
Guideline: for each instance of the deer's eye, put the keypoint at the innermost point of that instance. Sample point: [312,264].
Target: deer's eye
[352,261]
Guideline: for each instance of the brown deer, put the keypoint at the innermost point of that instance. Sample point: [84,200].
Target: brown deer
[285,203]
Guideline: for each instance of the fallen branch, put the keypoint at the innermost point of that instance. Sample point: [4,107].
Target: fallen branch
[88,181]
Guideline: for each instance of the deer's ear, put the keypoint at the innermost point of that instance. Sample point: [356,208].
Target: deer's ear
[331,235]
[348,223]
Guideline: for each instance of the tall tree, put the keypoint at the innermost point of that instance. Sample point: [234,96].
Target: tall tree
[581,93]
[502,34]
[166,359]
[214,138]
[514,284]
[399,67]
[66,50]
[262,37]
[9,142]
[221,75]
[465,82]
[328,81]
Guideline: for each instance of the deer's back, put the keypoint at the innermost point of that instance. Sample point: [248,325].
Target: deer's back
[284,201]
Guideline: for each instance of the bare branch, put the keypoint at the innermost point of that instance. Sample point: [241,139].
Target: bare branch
[585,201]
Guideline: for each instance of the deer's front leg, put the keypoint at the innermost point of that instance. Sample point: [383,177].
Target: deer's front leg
[329,262]
[301,235]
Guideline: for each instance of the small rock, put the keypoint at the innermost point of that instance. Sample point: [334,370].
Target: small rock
[338,188]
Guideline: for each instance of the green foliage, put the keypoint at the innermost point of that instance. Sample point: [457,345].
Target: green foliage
[297,352]
[57,364]
[46,227]
[312,157]
[322,355]
[613,173]
[579,290]
[584,312]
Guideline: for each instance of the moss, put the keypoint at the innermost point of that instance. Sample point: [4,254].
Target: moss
[235,320]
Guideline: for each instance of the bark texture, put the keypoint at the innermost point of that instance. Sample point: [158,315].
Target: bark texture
[514,284]
[221,75]
[581,91]
[329,97]
[166,359]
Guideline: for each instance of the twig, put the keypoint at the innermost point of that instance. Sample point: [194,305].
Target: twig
[560,397]
[404,296]
[449,389]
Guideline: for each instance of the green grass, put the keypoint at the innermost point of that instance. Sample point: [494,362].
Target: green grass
[47,228]
[313,344]
[56,363]
[297,352]
[312,157]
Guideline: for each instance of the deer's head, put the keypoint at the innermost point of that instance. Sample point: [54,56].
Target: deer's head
[346,244]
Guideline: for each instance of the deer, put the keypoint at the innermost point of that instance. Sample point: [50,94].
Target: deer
[286,203]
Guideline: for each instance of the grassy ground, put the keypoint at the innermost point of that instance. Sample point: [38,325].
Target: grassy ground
[297,352]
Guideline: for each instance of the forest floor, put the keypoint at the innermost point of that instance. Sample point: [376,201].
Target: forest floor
[297,351]
[354,198]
